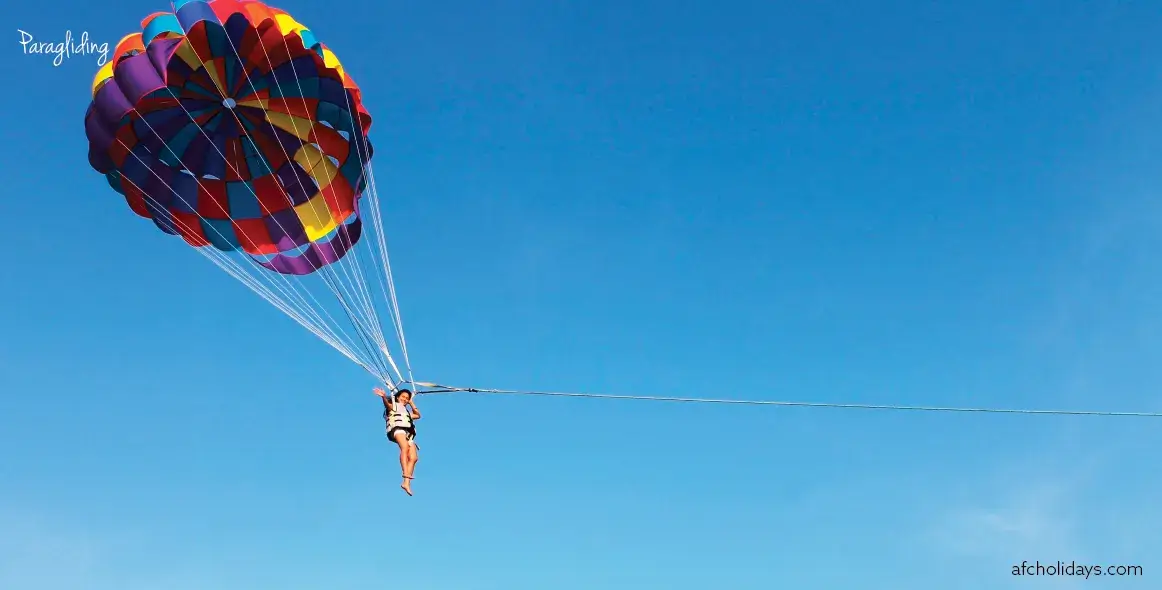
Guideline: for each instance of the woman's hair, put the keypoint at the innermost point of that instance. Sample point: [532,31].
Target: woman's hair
[403,391]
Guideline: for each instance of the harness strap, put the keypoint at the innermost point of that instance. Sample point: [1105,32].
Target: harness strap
[397,418]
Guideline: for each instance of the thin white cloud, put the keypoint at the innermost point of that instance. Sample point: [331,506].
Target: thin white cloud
[1073,497]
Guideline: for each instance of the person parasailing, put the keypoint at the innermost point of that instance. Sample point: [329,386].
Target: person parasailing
[399,415]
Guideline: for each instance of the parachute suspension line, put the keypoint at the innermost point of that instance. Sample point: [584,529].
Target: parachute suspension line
[378,228]
[436,389]
[225,263]
[384,260]
[380,343]
[265,293]
[262,272]
[294,304]
[397,319]
[246,280]
[189,206]
[366,324]
[233,269]
[367,344]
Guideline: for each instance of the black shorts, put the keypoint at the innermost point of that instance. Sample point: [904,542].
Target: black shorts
[411,433]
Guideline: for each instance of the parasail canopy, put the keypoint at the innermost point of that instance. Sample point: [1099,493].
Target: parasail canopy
[229,124]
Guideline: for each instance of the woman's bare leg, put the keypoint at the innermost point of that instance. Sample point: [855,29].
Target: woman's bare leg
[404,461]
[413,457]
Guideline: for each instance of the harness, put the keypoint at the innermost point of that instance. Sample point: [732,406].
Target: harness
[398,418]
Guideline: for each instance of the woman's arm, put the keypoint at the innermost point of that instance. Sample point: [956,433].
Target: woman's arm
[383,395]
[415,410]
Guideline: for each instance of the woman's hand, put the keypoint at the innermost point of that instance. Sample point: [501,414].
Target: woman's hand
[379,392]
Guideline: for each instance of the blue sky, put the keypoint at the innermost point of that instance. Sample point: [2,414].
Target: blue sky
[916,203]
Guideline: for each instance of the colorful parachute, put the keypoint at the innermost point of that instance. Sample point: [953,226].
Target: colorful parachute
[229,124]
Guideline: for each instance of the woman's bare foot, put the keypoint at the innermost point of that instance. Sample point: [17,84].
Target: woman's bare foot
[406,485]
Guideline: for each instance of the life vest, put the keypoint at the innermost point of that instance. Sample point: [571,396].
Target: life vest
[398,417]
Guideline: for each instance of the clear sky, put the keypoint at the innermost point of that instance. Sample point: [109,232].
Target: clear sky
[944,203]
